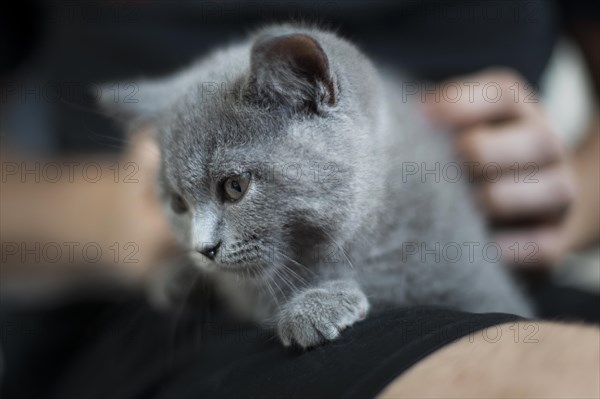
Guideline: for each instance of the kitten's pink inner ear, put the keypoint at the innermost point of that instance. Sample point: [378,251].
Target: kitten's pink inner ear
[303,55]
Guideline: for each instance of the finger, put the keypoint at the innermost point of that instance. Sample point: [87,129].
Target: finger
[545,194]
[510,145]
[497,94]
[541,247]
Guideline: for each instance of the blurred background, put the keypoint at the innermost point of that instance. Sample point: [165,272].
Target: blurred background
[77,203]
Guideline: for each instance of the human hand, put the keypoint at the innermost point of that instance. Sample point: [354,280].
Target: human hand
[522,171]
[115,214]
[138,211]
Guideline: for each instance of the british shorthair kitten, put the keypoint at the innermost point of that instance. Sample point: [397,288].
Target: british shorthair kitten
[285,174]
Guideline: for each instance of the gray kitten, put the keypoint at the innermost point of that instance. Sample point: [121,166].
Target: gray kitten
[285,171]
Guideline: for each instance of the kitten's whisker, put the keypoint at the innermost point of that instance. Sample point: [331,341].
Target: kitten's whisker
[295,274]
[287,270]
[122,143]
[277,285]
[340,247]
[291,271]
[269,287]
[298,264]
[284,279]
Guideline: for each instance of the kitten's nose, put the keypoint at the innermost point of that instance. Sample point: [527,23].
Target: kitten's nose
[210,251]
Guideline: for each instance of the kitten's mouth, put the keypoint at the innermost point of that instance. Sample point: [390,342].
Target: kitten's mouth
[246,270]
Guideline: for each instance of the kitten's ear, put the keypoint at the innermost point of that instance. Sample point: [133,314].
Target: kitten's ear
[134,103]
[293,71]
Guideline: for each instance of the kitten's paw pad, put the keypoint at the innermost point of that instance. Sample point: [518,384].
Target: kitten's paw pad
[318,315]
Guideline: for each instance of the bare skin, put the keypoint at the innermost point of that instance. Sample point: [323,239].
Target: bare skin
[558,361]
[554,189]
[78,208]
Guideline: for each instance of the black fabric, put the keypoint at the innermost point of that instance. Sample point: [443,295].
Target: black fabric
[126,350]
[123,349]
[566,304]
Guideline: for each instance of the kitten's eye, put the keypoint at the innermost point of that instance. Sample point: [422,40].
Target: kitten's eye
[178,204]
[236,186]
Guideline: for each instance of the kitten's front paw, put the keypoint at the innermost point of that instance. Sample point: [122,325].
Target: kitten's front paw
[319,314]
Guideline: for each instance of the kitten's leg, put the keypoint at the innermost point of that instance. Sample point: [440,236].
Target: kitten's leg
[318,314]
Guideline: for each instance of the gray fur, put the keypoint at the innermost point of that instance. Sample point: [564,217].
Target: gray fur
[309,252]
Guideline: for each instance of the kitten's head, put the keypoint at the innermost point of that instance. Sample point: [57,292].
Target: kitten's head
[258,168]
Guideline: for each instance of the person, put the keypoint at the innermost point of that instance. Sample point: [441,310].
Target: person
[560,210]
